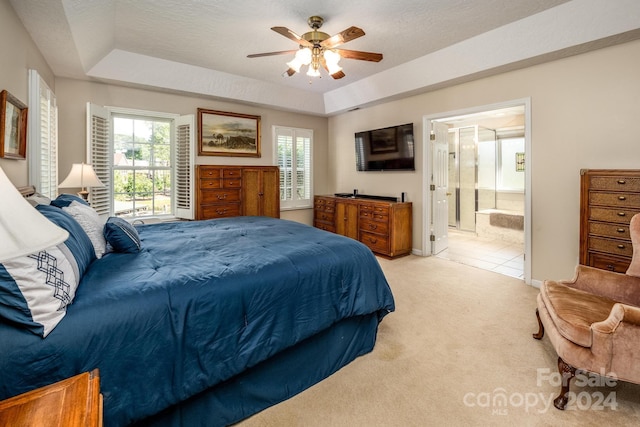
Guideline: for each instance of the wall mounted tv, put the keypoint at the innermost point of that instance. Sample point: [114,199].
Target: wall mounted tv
[385,149]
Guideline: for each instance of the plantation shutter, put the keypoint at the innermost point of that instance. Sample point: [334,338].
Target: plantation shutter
[295,158]
[303,167]
[43,137]
[98,156]
[284,142]
[183,169]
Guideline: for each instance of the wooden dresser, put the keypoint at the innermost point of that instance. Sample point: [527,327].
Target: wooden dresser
[225,191]
[74,402]
[608,200]
[385,227]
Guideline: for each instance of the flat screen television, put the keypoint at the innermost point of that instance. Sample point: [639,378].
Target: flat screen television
[385,149]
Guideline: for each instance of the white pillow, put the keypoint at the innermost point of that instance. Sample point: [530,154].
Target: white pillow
[36,289]
[91,223]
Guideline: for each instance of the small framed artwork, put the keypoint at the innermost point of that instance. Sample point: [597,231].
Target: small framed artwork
[13,127]
[228,134]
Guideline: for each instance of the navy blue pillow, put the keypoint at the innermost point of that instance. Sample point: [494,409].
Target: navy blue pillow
[122,236]
[64,200]
[78,242]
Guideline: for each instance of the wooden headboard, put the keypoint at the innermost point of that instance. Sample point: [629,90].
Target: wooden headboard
[27,191]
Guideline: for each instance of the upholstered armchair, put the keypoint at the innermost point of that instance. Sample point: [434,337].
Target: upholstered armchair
[593,321]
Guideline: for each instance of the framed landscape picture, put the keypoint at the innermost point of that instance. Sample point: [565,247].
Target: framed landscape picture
[228,134]
[13,127]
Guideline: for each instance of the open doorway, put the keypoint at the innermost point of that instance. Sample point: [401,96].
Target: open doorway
[487,188]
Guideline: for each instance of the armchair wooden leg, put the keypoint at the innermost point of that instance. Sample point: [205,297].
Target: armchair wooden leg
[567,372]
[540,332]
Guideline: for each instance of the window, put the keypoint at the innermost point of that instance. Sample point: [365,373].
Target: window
[43,137]
[145,160]
[294,151]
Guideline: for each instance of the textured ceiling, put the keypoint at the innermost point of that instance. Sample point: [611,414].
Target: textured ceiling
[111,40]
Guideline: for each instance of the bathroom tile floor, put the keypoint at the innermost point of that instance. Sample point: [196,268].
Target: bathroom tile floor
[489,254]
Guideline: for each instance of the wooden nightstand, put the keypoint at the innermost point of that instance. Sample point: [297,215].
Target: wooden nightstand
[73,402]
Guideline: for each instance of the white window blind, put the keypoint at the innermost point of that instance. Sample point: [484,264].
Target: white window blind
[294,151]
[43,137]
[98,155]
[183,170]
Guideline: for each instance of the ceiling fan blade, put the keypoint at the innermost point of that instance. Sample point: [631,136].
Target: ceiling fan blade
[291,36]
[363,56]
[347,35]
[282,52]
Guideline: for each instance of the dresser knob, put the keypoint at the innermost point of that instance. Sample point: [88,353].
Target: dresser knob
[620,246]
[620,230]
[622,198]
[621,214]
[622,181]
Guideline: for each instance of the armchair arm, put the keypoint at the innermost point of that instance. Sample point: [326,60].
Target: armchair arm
[620,313]
[616,286]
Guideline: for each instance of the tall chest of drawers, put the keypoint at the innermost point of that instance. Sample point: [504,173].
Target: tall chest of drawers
[226,191]
[608,200]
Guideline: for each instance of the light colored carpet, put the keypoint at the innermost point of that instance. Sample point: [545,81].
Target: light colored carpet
[459,340]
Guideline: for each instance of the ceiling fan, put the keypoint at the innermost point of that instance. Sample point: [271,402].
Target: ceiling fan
[318,49]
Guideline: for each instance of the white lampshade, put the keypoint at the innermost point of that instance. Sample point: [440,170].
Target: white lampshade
[82,175]
[23,230]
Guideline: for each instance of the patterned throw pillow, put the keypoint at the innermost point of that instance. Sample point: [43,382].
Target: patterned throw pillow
[91,223]
[36,289]
[78,242]
[121,235]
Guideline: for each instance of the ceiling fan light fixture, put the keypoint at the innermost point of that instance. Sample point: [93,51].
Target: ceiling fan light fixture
[294,65]
[304,56]
[313,72]
[316,49]
[331,57]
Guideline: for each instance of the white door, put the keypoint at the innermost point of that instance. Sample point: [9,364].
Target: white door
[439,186]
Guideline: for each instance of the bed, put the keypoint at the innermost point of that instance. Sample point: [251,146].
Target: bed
[208,322]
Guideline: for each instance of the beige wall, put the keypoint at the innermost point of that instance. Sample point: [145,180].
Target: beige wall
[19,54]
[73,95]
[583,115]
[584,109]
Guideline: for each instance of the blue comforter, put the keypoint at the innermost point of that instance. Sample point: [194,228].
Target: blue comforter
[202,302]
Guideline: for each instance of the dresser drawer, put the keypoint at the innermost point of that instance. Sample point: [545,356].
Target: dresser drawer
[232,183]
[374,226]
[616,231]
[375,242]
[615,183]
[614,199]
[374,209]
[207,183]
[324,226]
[324,216]
[232,173]
[604,262]
[618,216]
[220,211]
[209,173]
[611,246]
[219,196]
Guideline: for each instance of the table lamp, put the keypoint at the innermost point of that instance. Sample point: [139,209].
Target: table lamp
[23,230]
[81,176]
